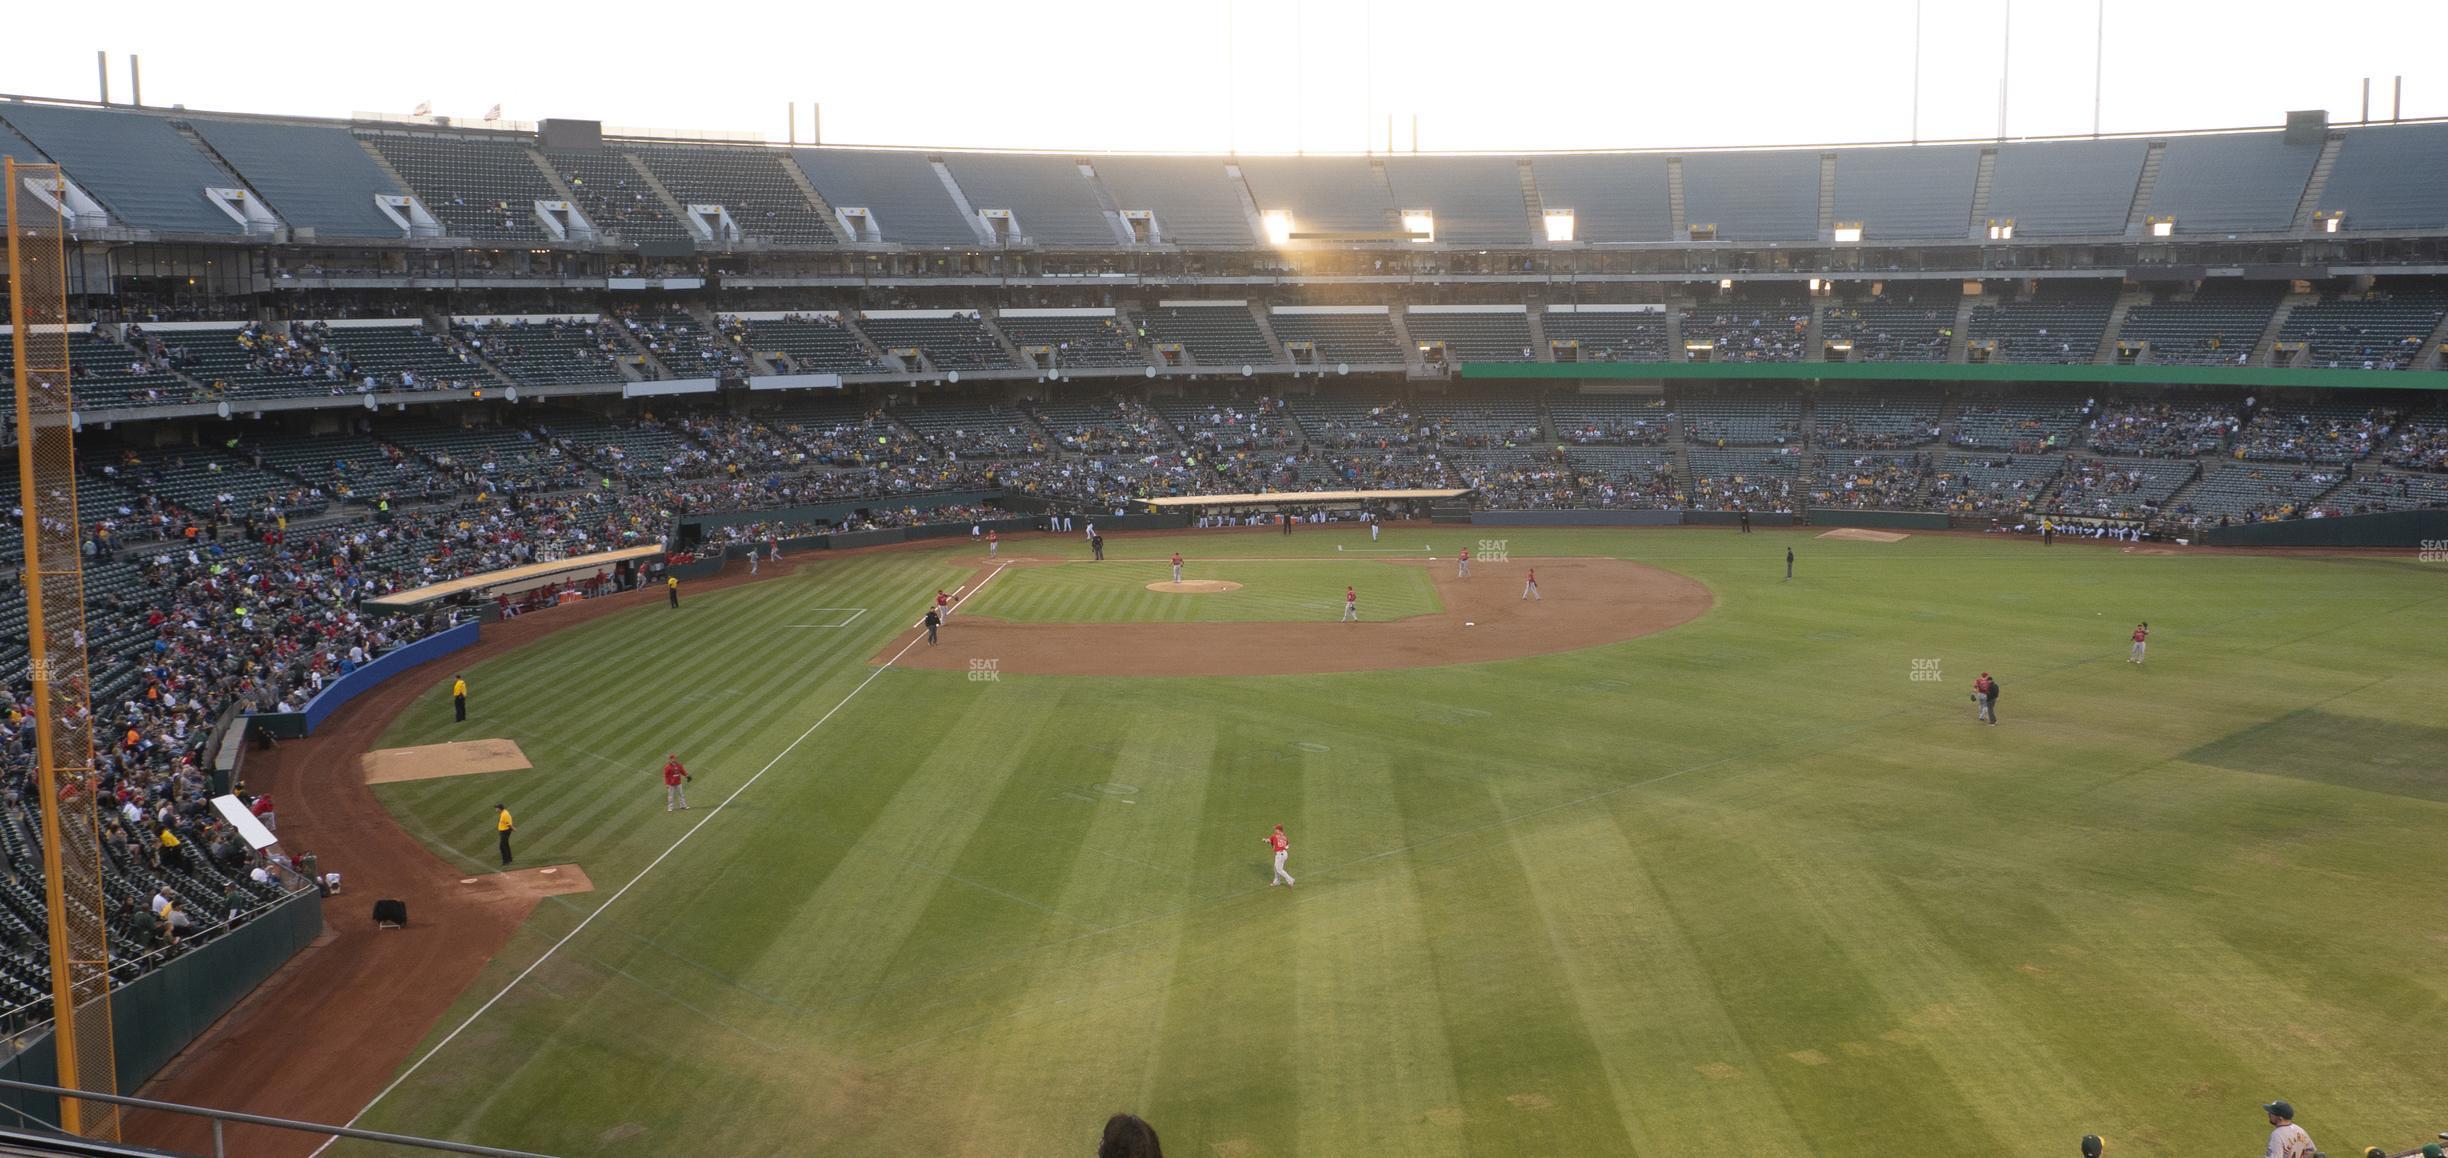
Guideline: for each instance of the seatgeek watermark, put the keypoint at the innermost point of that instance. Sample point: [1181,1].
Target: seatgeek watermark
[2432,551]
[1493,551]
[1925,671]
[985,670]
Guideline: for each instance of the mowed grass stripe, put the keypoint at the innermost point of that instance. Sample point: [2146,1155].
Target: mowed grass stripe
[863,913]
[1669,1050]
[1789,988]
[1526,1071]
[582,781]
[1375,928]
[1734,758]
[1082,990]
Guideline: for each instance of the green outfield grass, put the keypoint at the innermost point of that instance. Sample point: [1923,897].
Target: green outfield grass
[1116,591]
[1743,887]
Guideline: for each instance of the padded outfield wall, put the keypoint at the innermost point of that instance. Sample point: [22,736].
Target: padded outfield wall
[166,1010]
[2411,530]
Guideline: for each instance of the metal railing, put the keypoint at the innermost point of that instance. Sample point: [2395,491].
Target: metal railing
[220,1118]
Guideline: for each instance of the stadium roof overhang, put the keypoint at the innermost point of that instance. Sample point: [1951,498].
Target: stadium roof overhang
[1302,498]
[2264,377]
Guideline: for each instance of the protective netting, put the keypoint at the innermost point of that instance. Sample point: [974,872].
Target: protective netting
[54,577]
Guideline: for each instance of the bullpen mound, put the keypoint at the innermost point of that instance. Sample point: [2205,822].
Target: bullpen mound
[1584,603]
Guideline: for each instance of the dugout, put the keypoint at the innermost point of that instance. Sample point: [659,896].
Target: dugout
[514,580]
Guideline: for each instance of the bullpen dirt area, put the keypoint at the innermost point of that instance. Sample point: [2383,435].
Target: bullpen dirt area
[1583,603]
[431,761]
[1859,535]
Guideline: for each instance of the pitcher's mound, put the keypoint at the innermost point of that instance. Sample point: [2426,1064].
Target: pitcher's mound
[1860,535]
[391,765]
[1194,586]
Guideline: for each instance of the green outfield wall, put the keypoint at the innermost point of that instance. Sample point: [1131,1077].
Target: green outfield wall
[2411,530]
[1878,520]
[166,1010]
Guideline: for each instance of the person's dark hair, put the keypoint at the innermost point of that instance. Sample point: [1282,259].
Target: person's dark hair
[1129,1136]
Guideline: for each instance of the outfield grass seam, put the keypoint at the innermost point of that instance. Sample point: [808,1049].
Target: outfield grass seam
[642,873]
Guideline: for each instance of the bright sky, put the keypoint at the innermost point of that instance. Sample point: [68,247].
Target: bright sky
[1209,75]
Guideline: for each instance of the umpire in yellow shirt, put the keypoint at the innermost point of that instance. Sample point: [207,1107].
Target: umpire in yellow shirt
[459,697]
[502,825]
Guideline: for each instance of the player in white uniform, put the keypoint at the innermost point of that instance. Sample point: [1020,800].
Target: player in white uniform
[2287,1140]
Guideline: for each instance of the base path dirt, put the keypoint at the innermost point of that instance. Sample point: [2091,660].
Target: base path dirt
[1583,603]
[327,1032]
[432,761]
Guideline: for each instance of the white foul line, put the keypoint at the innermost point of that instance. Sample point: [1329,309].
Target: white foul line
[589,919]
[855,612]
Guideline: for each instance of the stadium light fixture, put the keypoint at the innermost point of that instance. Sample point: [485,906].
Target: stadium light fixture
[1848,232]
[1726,284]
[1559,224]
[1420,224]
[1278,226]
[2162,226]
[2331,220]
[2001,229]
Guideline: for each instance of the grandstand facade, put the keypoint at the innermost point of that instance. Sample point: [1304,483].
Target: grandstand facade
[321,362]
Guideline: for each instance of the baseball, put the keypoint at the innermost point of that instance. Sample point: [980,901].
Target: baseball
[1467,623]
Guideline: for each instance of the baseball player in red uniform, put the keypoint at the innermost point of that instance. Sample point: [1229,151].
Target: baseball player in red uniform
[943,604]
[1177,568]
[1530,586]
[1283,850]
[1351,605]
[675,784]
[1462,570]
[2141,638]
[994,543]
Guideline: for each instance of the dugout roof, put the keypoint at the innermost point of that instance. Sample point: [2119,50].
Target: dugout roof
[526,574]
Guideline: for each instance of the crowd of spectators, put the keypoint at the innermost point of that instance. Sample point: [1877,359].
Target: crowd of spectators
[1126,427]
[1236,425]
[2278,434]
[2419,444]
[1750,335]
[2148,429]
[1870,482]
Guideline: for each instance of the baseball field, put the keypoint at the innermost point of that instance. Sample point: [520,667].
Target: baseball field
[1680,859]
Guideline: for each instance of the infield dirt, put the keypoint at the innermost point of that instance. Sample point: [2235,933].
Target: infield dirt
[1583,603]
